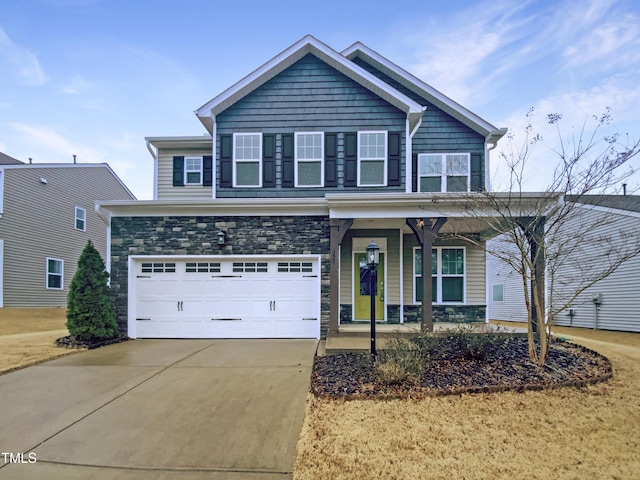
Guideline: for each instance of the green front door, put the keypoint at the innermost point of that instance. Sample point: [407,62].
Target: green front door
[361,298]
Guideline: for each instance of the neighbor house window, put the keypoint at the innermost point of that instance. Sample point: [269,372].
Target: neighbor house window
[447,275]
[55,271]
[372,158]
[443,172]
[81,219]
[193,170]
[309,159]
[498,292]
[247,159]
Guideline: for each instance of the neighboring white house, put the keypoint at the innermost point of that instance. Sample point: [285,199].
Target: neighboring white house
[606,226]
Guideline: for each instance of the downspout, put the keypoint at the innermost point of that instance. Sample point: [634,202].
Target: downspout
[490,144]
[154,154]
[105,216]
[409,150]
[214,169]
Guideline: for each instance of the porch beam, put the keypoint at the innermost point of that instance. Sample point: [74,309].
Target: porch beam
[426,231]
[337,229]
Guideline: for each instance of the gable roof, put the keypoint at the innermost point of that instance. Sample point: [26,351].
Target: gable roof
[7,160]
[288,57]
[64,166]
[630,203]
[413,83]
[344,64]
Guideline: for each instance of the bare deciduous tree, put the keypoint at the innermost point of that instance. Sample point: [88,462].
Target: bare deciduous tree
[548,237]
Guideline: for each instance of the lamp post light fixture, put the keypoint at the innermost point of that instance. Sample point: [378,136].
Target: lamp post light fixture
[373,259]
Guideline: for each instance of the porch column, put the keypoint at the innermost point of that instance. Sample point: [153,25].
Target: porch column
[426,230]
[337,228]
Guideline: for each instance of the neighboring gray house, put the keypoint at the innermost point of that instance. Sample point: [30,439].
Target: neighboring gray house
[259,228]
[47,215]
[604,226]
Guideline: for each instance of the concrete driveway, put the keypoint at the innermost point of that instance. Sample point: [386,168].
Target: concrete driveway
[158,409]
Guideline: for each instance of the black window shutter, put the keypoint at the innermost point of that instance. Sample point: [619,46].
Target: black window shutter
[207,170]
[330,160]
[287,160]
[350,159]
[226,161]
[268,160]
[414,172]
[476,173]
[393,162]
[178,171]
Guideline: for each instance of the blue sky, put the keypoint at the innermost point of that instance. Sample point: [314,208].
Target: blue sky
[94,77]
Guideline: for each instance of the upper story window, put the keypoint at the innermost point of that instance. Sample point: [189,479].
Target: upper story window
[372,158]
[309,148]
[193,170]
[443,172]
[447,274]
[247,159]
[81,219]
[55,272]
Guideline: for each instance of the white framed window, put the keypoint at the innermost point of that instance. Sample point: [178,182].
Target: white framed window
[247,159]
[1,191]
[447,275]
[444,172]
[193,170]
[498,292]
[372,159]
[55,274]
[309,154]
[81,219]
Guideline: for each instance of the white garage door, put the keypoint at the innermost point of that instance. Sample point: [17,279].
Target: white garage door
[209,297]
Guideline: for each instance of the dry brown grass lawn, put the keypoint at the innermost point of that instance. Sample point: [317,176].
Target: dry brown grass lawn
[28,335]
[558,434]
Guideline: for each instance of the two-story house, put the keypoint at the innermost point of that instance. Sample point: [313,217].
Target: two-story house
[47,215]
[259,228]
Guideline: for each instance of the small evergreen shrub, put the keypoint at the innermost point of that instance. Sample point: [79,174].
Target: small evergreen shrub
[90,312]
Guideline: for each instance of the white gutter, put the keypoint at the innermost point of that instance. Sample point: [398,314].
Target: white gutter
[154,154]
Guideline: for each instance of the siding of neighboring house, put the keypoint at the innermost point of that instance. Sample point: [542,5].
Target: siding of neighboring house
[309,96]
[38,221]
[166,190]
[511,308]
[620,291]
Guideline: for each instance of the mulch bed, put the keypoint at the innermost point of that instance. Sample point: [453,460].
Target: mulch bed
[70,342]
[351,375]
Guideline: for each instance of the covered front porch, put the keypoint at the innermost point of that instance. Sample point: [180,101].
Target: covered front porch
[449,226]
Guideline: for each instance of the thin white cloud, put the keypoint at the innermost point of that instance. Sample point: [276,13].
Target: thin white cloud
[54,146]
[20,62]
[77,85]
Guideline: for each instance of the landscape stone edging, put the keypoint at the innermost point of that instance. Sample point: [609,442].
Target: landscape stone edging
[417,395]
[68,342]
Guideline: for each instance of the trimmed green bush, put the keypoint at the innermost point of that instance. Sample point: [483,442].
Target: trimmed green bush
[91,315]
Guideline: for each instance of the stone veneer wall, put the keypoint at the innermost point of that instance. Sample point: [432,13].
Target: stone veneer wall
[448,313]
[185,235]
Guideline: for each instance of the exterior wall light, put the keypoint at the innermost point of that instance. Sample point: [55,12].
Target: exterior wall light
[221,238]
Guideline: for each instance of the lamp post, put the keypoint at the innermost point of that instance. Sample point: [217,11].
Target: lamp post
[373,259]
